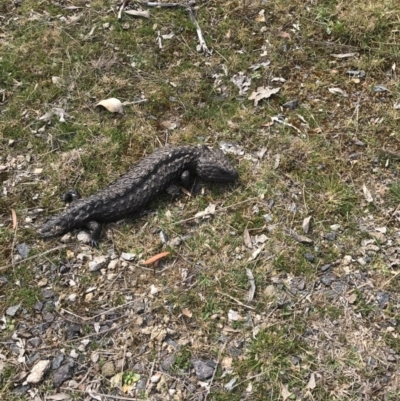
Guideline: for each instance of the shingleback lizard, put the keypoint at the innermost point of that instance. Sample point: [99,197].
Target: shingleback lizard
[132,190]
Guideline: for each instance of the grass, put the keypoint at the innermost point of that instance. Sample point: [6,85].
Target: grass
[300,323]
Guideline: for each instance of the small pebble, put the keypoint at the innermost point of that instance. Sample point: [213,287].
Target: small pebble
[331,236]
[310,257]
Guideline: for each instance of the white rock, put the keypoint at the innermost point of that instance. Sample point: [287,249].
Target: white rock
[113,264]
[128,256]
[97,263]
[156,378]
[38,371]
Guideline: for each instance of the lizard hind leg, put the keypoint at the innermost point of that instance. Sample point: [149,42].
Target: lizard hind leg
[94,229]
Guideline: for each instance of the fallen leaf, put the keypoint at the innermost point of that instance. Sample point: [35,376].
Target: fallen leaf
[311,383]
[338,91]
[210,209]
[301,238]
[256,253]
[229,386]
[138,13]
[58,397]
[367,194]
[261,17]
[156,258]
[285,393]
[112,104]
[284,35]
[14,219]
[352,298]
[263,92]
[247,239]
[242,81]
[38,371]
[233,315]
[306,224]
[344,55]
[187,312]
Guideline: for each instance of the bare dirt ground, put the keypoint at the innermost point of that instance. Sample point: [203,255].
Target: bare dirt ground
[289,290]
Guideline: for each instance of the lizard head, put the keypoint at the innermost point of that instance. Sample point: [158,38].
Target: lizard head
[213,165]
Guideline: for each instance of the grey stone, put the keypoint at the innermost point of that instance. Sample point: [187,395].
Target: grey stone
[34,341]
[310,257]
[23,250]
[64,372]
[204,369]
[331,236]
[57,361]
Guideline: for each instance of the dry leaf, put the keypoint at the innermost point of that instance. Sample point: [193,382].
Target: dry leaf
[263,92]
[311,383]
[306,224]
[301,238]
[138,13]
[187,312]
[284,35]
[338,91]
[344,55]
[210,209]
[112,104]
[156,258]
[247,239]
[14,219]
[367,194]
[38,371]
[59,397]
[285,393]
[233,315]
[261,17]
[352,298]
[252,289]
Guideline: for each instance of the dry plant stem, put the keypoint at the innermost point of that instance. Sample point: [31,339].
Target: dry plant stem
[236,300]
[202,43]
[252,284]
[189,8]
[219,210]
[32,257]
[101,394]
[151,373]
[215,370]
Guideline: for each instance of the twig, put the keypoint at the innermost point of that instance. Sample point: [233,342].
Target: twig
[236,300]
[215,370]
[99,333]
[217,211]
[117,397]
[32,257]
[250,378]
[151,373]
[391,278]
[252,284]
[202,46]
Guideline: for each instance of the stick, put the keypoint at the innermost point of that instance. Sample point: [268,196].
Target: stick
[32,257]
[236,300]
[252,284]
[100,394]
[202,47]
[219,210]
[215,370]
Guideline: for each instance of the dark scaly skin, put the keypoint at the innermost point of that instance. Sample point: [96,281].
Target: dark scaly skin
[131,191]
